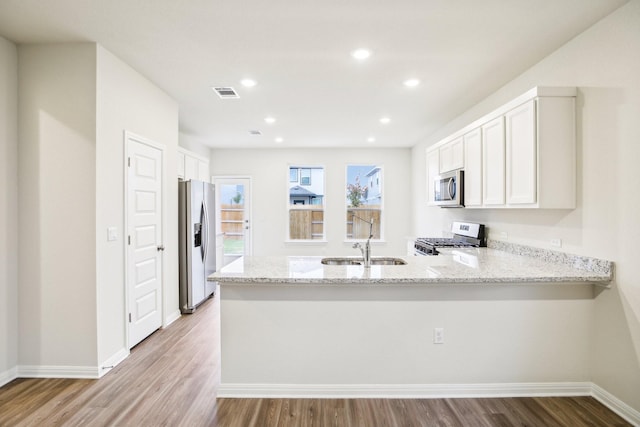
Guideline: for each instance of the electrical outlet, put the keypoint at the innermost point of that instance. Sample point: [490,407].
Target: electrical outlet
[503,235]
[438,335]
[556,242]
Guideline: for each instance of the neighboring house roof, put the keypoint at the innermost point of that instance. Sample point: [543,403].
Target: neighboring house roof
[299,191]
[372,171]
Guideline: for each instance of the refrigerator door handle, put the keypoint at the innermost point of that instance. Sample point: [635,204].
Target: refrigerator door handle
[203,233]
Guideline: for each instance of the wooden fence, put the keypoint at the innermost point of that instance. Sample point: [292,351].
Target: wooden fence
[306,222]
[358,228]
[232,225]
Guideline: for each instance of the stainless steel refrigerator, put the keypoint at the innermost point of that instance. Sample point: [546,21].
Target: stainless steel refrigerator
[197,242]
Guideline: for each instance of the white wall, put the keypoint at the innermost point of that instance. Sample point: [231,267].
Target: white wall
[56,170]
[269,169]
[128,101]
[604,64]
[76,101]
[8,210]
[194,144]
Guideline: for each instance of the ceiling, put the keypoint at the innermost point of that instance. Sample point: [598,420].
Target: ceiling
[298,51]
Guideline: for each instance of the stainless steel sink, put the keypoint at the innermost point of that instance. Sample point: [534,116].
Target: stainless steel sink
[388,261]
[359,261]
[341,261]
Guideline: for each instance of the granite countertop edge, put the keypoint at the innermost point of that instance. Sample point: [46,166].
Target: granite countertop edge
[499,263]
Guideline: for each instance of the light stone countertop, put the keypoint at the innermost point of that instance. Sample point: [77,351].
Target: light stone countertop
[477,265]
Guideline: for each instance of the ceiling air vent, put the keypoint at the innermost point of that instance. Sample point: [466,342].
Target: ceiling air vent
[255,132]
[226,92]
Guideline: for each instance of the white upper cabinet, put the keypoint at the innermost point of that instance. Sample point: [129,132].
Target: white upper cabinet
[528,153]
[521,154]
[433,170]
[452,155]
[203,171]
[192,166]
[473,168]
[493,170]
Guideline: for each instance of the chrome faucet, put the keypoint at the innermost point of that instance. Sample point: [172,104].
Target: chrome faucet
[366,251]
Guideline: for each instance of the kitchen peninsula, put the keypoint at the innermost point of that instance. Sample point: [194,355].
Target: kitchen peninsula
[475,322]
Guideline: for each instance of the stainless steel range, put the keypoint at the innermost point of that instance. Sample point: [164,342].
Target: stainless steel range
[465,235]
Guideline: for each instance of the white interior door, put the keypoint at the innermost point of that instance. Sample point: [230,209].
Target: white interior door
[144,245]
[233,215]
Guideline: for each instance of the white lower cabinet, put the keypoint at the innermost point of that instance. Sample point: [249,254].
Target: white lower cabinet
[493,168]
[473,168]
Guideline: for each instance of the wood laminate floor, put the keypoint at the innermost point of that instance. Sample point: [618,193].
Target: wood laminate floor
[170,379]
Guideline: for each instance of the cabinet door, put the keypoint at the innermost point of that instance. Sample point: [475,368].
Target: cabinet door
[521,154]
[190,167]
[433,170]
[493,169]
[452,155]
[473,168]
[203,171]
[180,165]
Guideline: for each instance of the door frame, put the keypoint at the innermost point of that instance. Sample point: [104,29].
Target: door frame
[249,178]
[128,135]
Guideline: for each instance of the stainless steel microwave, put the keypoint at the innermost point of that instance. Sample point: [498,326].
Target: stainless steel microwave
[449,189]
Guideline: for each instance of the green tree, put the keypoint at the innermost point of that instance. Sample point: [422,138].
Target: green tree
[355,193]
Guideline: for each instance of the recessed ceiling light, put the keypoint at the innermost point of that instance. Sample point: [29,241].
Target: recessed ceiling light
[385,120]
[411,82]
[279,140]
[248,82]
[371,139]
[270,120]
[361,54]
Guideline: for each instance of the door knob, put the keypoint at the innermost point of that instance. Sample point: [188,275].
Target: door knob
[160,248]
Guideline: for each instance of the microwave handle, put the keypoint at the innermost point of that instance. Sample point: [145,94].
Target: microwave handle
[449,188]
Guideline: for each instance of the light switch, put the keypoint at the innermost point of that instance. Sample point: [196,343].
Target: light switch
[112,234]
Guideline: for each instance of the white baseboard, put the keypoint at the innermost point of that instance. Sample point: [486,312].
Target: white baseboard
[113,361]
[616,405]
[172,317]
[9,375]
[403,391]
[33,371]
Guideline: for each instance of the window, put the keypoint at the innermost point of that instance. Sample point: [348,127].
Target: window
[305,176]
[364,201]
[306,203]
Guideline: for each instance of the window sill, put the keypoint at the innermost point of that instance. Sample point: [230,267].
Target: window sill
[306,242]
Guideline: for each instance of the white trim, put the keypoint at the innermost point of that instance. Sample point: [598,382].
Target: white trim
[35,371]
[9,375]
[172,317]
[163,227]
[113,361]
[405,391]
[615,404]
